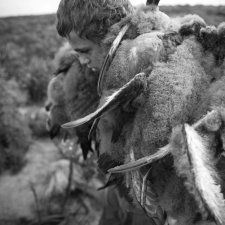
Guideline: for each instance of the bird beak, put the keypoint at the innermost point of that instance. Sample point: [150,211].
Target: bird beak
[126,93]
[109,57]
[133,165]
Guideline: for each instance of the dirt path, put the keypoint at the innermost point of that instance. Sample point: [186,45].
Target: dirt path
[16,196]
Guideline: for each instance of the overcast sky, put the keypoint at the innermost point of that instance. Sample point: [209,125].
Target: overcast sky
[30,7]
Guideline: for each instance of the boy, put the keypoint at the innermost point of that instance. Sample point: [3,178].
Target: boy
[86,22]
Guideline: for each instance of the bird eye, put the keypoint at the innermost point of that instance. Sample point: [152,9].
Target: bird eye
[48,106]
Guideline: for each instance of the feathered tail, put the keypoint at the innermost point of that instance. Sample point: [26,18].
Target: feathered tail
[194,162]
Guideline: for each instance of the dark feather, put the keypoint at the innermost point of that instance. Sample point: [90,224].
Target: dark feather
[85,143]
[106,162]
[152,2]
[54,131]
[112,180]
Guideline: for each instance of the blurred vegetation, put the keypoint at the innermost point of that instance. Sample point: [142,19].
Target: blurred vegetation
[37,79]
[36,118]
[15,135]
[213,15]
[27,47]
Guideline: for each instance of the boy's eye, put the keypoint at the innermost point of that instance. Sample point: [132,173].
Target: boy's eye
[82,50]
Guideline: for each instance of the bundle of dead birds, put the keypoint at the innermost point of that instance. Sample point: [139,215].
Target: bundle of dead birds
[71,93]
[161,115]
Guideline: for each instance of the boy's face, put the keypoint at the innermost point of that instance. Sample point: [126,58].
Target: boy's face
[89,53]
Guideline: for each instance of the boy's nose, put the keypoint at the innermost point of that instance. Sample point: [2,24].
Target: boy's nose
[84,60]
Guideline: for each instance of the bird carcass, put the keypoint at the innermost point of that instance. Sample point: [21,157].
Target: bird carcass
[151,92]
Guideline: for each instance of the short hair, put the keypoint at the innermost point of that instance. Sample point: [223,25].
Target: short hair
[90,18]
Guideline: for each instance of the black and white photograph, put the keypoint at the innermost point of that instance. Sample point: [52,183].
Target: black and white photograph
[112,112]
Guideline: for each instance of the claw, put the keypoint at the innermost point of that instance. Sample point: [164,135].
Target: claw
[110,56]
[152,2]
[142,161]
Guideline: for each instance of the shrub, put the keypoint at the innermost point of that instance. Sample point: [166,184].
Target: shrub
[37,122]
[15,135]
[37,80]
